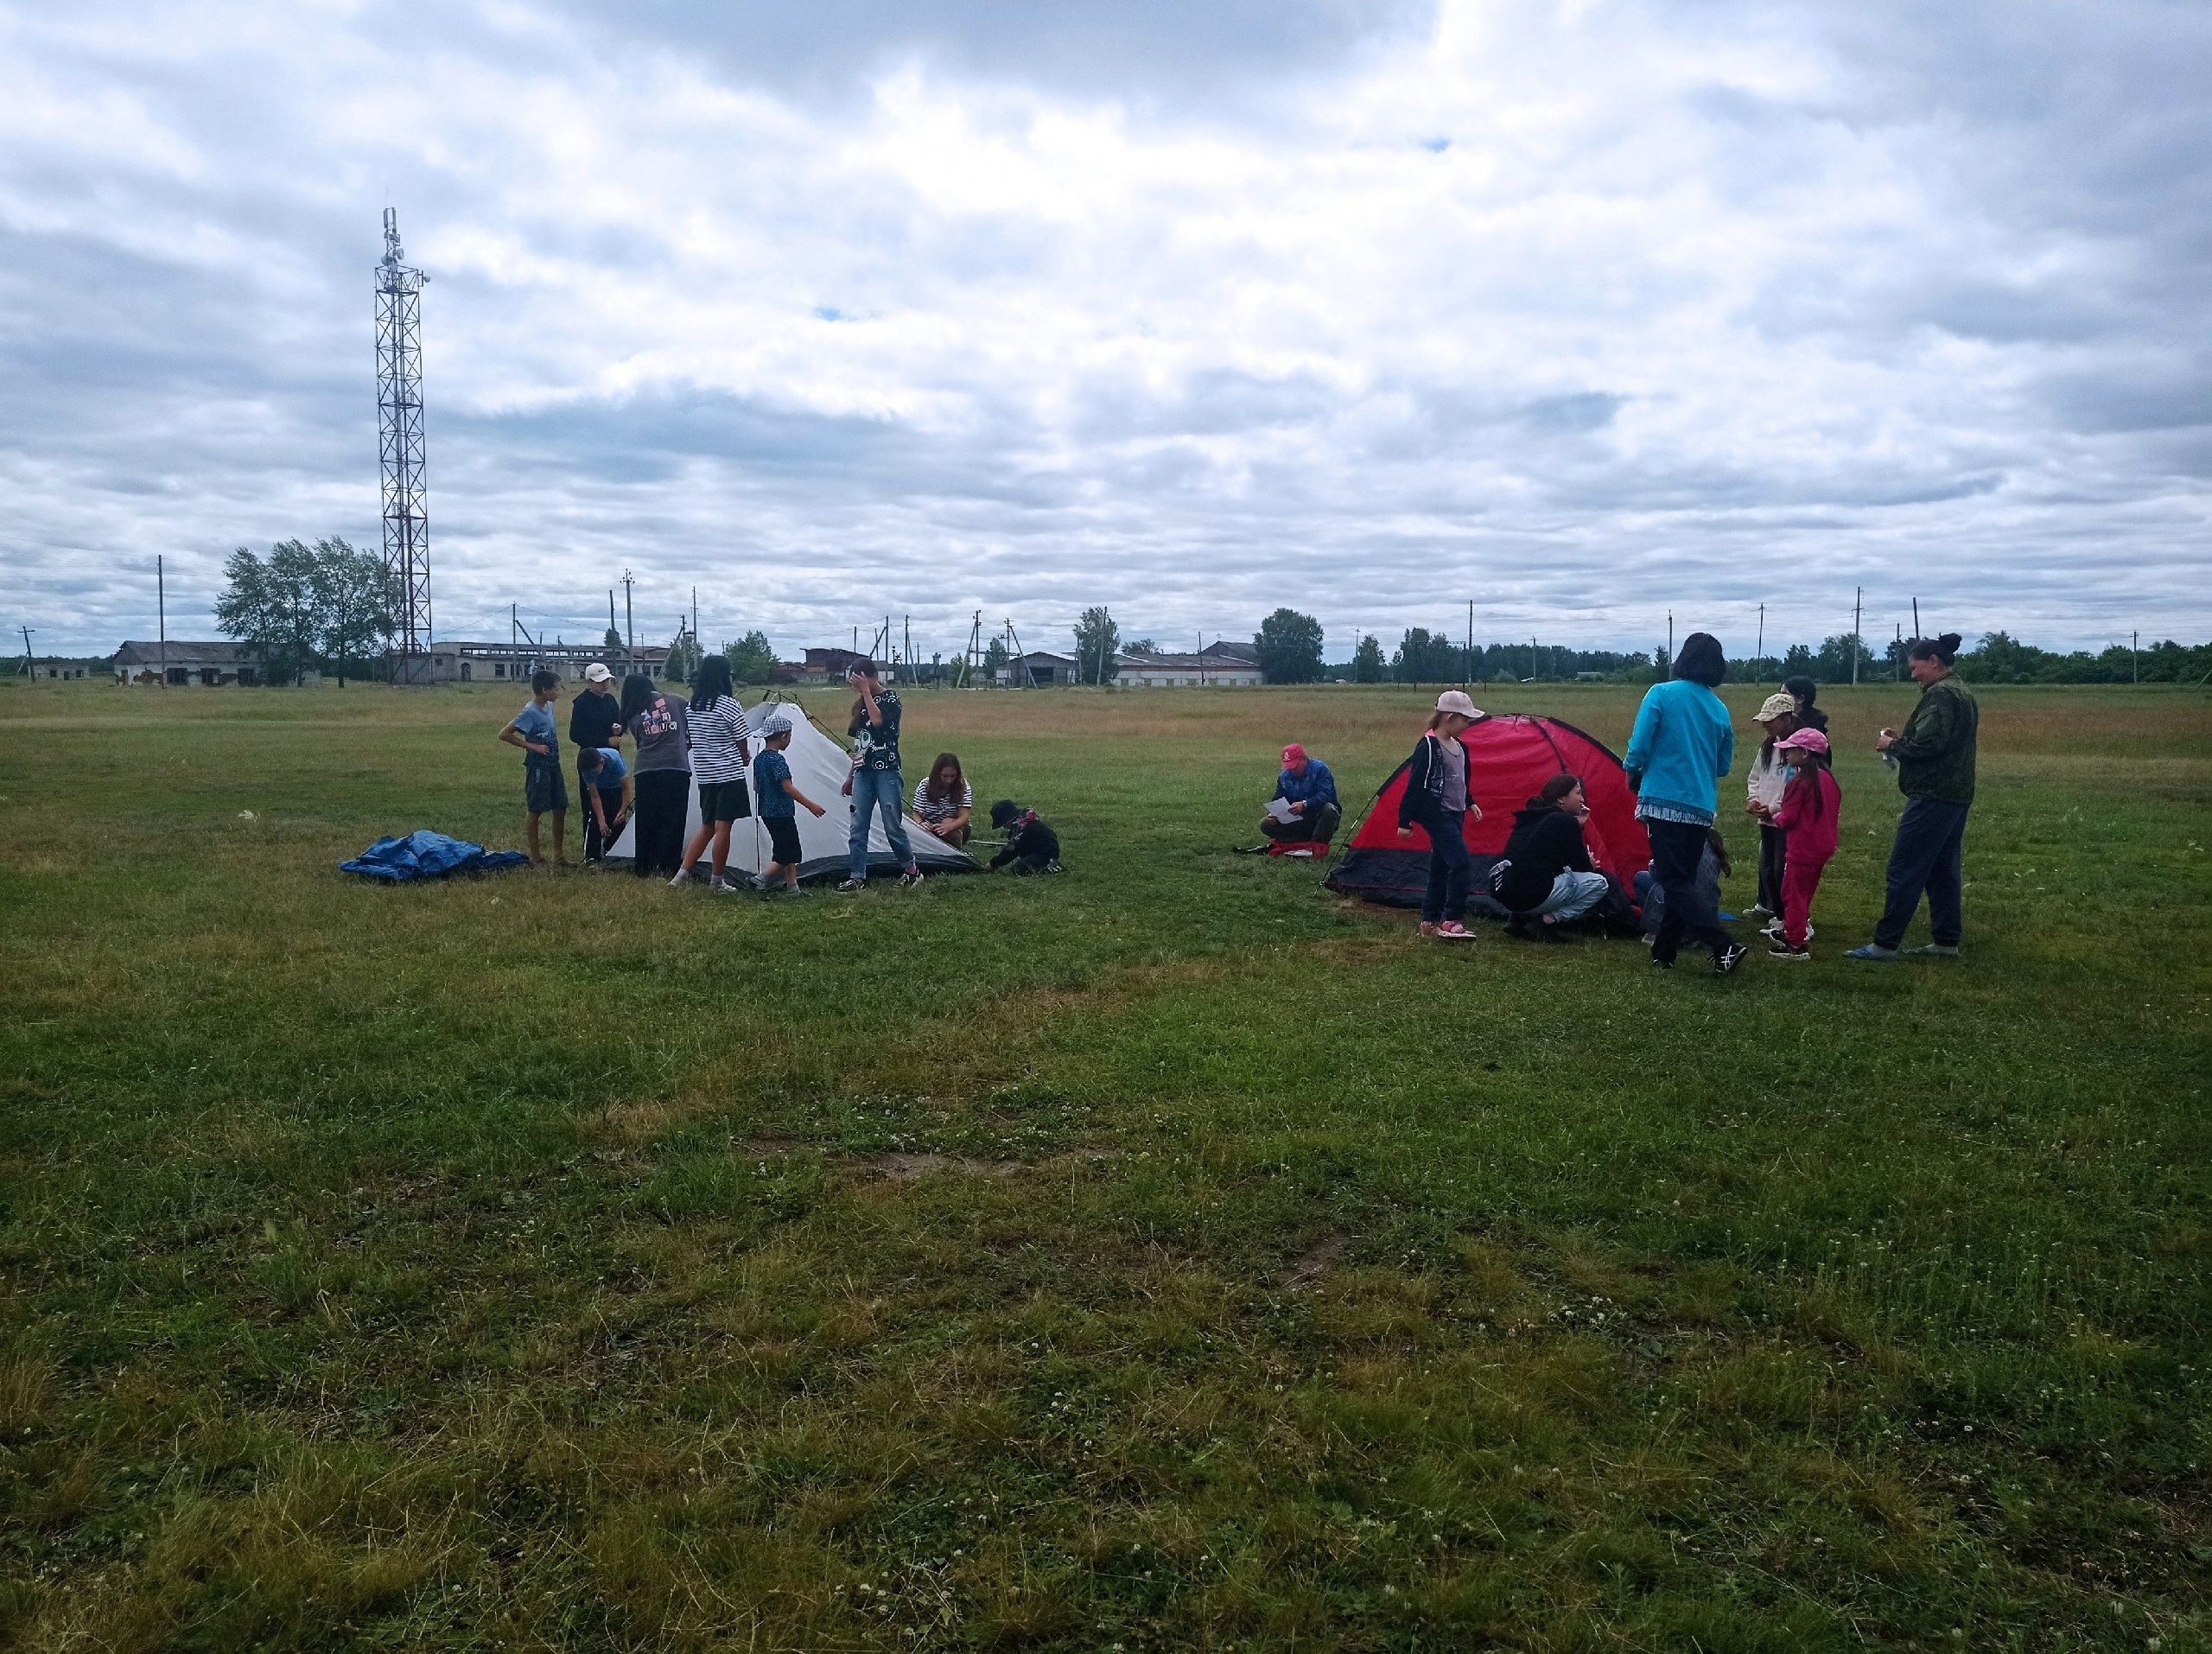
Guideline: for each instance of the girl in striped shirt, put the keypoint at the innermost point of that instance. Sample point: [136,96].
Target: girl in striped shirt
[943,800]
[721,751]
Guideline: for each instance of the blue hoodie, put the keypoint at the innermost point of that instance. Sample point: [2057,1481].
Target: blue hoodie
[1681,746]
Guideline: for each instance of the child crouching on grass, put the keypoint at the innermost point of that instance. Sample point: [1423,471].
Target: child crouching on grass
[606,780]
[1031,846]
[774,795]
[1812,803]
[544,789]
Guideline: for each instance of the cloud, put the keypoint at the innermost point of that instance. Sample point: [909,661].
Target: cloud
[1584,312]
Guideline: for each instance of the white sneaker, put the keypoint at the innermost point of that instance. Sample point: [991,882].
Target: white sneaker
[1452,931]
[910,878]
[853,884]
[682,876]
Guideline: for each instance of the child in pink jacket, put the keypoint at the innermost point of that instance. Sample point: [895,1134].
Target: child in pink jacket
[1811,804]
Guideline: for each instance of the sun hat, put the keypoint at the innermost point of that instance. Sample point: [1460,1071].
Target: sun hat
[1293,753]
[1811,741]
[597,673]
[775,727]
[1456,701]
[1005,814]
[1778,705]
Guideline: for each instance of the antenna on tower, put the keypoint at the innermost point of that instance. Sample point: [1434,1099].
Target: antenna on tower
[399,452]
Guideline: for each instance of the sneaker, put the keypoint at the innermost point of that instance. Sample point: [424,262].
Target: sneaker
[1774,928]
[1758,910]
[1452,931]
[1728,958]
[853,884]
[682,876]
[733,887]
[1658,963]
[1782,950]
[1428,928]
[1873,953]
[910,878]
[1935,950]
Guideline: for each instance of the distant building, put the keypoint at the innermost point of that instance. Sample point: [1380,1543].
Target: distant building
[481,663]
[1227,669]
[1039,668]
[57,670]
[1223,651]
[189,662]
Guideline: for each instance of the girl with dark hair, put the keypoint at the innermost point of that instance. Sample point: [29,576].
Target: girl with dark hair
[662,774]
[1812,805]
[1804,690]
[944,800]
[1681,747]
[721,752]
[1544,877]
[1439,799]
[1934,757]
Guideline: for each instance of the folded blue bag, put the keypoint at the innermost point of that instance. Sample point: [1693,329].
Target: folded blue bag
[426,854]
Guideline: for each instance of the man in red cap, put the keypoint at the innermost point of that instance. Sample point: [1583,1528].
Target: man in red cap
[1304,810]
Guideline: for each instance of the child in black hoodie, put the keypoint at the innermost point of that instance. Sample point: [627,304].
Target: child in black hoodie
[1544,877]
[1031,846]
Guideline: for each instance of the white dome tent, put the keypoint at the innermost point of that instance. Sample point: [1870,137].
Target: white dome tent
[819,766]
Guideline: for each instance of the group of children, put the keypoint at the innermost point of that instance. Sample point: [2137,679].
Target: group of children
[1793,797]
[715,739]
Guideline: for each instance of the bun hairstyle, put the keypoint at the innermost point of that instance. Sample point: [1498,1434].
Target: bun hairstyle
[1945,648]
[1701,660]
[1558,787]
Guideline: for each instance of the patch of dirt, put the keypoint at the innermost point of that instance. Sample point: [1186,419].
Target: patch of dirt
[1312,1263]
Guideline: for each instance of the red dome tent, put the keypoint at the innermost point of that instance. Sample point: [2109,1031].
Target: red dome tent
[1508,757]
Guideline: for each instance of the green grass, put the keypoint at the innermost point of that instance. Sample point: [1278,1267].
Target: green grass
[1168,1256]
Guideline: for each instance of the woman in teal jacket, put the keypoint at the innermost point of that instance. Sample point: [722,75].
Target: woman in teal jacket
[1681,747]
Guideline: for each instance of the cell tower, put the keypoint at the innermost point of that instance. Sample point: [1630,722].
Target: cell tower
[399,440]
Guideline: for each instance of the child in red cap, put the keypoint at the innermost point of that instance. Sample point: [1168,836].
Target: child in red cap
[1812,803]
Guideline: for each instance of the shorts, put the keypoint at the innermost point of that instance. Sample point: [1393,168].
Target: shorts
[724,801]
[783,839]
[543,787]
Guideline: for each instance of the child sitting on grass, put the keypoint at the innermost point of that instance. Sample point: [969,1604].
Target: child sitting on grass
[544,789]
[774,795]
[606,778]
[1812,803]
[1031,846]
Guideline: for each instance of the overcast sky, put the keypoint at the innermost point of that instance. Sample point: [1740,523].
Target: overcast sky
[1582,311]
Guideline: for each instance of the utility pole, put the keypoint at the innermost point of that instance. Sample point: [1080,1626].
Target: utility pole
[1857,605]
[1533,673]
[694,616]
[162,608]
[1897,666]
[1470,640]
[2135,665]
[1670,634]
[906,623]
[30,665]
[629,618]
[1916,632]
[1760,650]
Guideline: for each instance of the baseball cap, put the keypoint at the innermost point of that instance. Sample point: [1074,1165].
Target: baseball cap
[1456,701]
[597,673]
[775,727]
[1293,754]
[1778,705]
[1811,741]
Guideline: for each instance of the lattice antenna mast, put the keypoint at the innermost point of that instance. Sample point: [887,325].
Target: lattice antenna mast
[399,437]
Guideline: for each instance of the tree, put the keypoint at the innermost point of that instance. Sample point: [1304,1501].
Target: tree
[1838,655]
[611,642]
[271,605]
[1140,646]
[995,657]
[752,657]
[1289,647]
[683,656]
[1096,639]
[356,604]
[1368,666]
[1425,656]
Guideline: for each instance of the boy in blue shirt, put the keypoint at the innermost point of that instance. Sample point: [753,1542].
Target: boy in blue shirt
[606,778]
[543,787]
[774,795]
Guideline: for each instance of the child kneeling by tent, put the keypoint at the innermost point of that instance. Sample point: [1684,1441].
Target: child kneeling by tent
[1031,846]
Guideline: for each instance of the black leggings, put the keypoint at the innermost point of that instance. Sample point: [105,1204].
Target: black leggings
[1676,849]
[663,799]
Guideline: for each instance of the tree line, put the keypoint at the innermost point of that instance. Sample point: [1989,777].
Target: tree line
[304,608]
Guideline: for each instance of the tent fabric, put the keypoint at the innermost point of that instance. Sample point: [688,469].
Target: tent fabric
[1510,756]
[426,854]
[819,766]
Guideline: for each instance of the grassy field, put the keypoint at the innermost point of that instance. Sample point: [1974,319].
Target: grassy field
[1168,1256]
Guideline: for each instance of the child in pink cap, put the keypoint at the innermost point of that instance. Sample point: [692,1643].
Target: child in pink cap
[1812,805]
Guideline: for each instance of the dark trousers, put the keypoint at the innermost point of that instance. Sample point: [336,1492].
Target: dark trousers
[1774,847]
[1450,871]
[1676,847]
[1318,825]
[663,802]
[610,799]
[1927,856]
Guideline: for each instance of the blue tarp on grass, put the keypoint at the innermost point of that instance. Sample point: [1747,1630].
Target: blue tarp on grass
[427,855]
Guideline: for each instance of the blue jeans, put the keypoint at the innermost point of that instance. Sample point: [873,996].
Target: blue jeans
[1450,869]
[1927,856]
[1571,896]
[1688,915]
[874,789]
